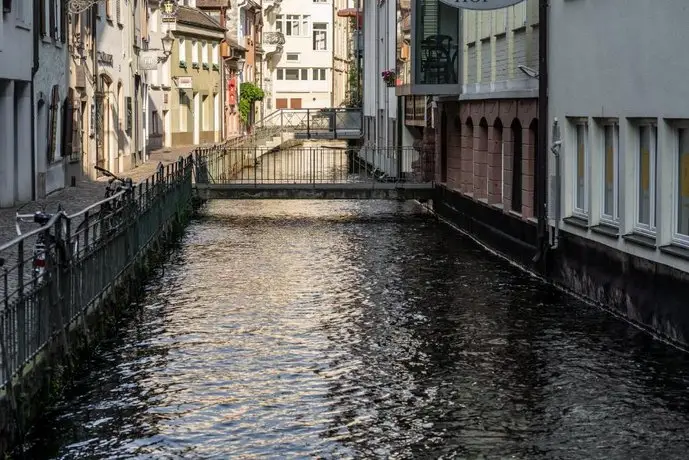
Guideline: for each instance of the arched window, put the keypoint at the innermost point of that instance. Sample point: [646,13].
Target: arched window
[517,146]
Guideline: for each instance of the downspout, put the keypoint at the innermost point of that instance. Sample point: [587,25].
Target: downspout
[34,70]
[542,144]
[557,143]
[96,82]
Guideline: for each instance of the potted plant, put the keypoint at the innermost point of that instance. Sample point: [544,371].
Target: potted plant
[389,77]
[183,64]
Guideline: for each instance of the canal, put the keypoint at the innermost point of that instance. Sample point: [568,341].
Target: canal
[342,329]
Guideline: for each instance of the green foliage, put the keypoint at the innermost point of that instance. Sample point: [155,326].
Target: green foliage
[248,94]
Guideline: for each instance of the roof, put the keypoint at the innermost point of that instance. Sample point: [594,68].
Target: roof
[196,17]
[235,44]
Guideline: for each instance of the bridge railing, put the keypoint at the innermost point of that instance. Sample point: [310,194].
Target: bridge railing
[330,122]
[86,255]
[311,165]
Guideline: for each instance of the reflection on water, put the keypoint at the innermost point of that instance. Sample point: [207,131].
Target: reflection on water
[288,329]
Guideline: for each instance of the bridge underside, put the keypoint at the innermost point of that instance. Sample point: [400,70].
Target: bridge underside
[354,191]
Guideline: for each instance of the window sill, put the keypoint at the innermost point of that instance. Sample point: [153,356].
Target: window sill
[675,250]
[577,222]
[641,240]
[24,26]
[607,230]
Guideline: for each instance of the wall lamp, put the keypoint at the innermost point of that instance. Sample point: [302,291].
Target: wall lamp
[167,40]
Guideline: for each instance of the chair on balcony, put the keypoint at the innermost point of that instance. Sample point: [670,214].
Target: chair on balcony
[436,62]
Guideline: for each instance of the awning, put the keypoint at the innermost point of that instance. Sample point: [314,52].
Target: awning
[352,13]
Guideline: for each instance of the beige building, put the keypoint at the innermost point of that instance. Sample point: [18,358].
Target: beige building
[196,96]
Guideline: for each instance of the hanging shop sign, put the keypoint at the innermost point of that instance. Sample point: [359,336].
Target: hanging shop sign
[168,10]
[480,4]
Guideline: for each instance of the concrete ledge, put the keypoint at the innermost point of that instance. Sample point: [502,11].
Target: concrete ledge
[366,191]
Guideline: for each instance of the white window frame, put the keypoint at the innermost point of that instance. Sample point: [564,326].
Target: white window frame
[24,16]
[204,52]
[215,49]
[650,228]
[194,52]
[677,238]
[298,59]
[325,31]
[182,49]
[613,219]
[577,211]
[279,74]
[318,71]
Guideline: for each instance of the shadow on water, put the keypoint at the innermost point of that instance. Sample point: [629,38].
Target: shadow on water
[290,329]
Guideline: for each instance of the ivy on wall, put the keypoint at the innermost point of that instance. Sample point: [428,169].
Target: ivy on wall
[248,94]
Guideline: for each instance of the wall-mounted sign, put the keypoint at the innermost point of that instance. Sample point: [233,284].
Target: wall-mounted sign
[148,60]
[104,58]
[481,4]
[168,10]
[184,82]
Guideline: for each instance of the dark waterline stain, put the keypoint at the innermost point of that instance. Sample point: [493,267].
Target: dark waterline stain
[294,329]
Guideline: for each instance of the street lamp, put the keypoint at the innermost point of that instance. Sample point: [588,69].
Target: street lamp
[167,40]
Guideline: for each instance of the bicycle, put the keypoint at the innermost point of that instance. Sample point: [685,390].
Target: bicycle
[111,210]
[46,244]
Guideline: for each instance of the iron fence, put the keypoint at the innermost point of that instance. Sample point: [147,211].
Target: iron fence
[85,256]
[311,165]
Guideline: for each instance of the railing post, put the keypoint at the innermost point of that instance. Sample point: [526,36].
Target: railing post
[21,312]
[308,123]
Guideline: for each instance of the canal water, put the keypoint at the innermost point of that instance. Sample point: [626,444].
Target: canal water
[323,329]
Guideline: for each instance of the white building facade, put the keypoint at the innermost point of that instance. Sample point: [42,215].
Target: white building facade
[621,103]
[301,74]
[379,100]
[121,86]
[52,103]
[17,162]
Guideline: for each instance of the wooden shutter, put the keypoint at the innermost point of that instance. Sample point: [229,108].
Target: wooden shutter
[280,103]
[295,103]
[63,21]
[52,122]
[41,17]
[67,128]
[53,19]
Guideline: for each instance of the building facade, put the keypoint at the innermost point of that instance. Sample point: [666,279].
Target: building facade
[623,163]
[122,32]
[196,91]
[306,54]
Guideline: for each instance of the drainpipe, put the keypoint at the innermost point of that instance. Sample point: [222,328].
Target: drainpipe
[542,145]
[34,70]
[557,142]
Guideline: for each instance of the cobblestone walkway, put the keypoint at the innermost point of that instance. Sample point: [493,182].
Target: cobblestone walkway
[84,194]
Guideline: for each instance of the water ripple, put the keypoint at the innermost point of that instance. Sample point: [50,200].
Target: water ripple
[347,330]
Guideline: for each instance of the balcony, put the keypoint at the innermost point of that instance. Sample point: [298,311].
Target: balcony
[271,7]
[273,43]
[428,53]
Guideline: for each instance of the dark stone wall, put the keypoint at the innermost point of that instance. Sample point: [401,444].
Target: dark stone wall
[651,295]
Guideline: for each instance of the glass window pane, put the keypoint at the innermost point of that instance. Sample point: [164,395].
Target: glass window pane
[581,167]
[683,192]
[291,74]
[609,174]
[437,30]
[645,175]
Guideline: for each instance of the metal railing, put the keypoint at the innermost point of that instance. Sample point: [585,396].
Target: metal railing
[311,165]
[333,123]
[87,254]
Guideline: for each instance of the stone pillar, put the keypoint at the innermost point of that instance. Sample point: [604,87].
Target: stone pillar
[23,152]
[528,166]
[480,156]
[507,167]
[7,147]
[454,149]
[467,158]
[495,165]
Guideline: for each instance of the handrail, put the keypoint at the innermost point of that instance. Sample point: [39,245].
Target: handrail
[33,232]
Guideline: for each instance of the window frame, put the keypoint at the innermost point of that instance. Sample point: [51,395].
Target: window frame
[298,55]
[678,238]
[577,211]
[639,227]
[613,219]
[313,35]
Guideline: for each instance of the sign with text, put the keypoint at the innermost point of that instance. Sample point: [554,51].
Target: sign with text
[168,10]
[184,82]
[148,60]
[481,4]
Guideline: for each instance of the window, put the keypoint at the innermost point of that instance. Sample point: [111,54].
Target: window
[108,9]
[215,52]
[320,1]
[320,36]
[155,127]
[319,74]
[292,57]
[610,211]
[204,53]
[184,108]
[292,74]
[646,211]
[182,50]
[581,176]
[293,25]
[194,52]
[682,226]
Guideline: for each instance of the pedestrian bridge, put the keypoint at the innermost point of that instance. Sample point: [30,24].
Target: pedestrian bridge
[328,123]
[312,171]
